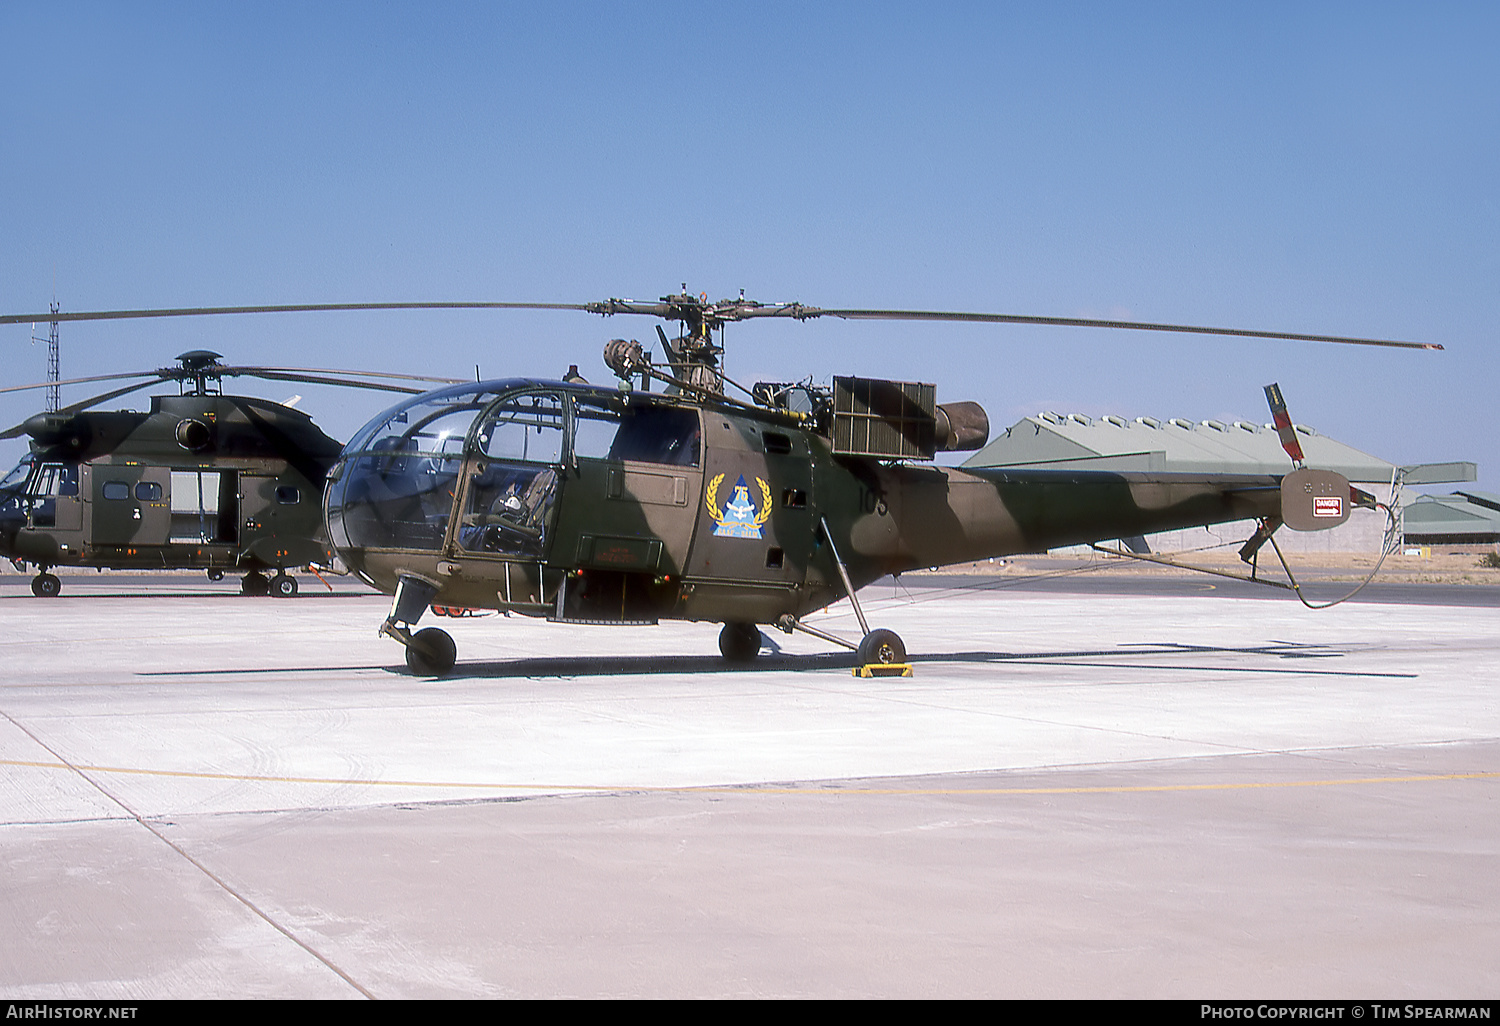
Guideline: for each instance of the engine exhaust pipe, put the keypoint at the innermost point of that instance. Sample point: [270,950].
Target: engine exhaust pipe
[961,426]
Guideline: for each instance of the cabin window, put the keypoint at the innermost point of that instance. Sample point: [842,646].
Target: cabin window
[287,495]
[509,509]
[148,491]
[643,432]
[400,502]
[18,474]
[777,443]
[434,426]
[116,490]
[523,428]
[12,490]
[794,498]
[596,422]
[54,479]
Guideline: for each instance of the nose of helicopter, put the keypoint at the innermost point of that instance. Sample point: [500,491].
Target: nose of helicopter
[393,485]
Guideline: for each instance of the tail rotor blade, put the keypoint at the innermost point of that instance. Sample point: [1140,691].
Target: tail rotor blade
[1283,422]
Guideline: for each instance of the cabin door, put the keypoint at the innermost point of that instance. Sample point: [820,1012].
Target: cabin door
[130,504]
[757,519]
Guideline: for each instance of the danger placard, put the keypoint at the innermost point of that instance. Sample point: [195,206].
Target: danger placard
[1328,506]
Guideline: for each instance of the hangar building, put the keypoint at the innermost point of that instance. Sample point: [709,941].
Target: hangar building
[1469,519]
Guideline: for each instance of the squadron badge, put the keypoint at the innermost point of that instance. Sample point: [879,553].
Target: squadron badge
[738,517]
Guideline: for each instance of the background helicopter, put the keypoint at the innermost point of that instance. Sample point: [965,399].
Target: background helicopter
[203,480]
[586,504]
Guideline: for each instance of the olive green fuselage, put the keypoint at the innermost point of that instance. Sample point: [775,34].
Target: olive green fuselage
[241,489]
[734,534]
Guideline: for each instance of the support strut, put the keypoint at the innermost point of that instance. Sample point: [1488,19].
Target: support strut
[787,623]
[844,576]
[413,596]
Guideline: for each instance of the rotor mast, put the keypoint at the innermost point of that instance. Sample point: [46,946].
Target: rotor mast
[694,356]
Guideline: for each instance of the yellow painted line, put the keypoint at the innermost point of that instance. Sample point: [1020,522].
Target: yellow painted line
[763,789]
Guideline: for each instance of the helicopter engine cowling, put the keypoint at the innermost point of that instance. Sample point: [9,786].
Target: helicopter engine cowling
[961,426]
[193,435]
[56,430]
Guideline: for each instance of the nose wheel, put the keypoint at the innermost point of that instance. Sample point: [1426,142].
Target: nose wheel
[431,652]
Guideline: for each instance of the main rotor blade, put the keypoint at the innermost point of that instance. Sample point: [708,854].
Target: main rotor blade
[312,379]
[79,407]
[356,373]
[807,313]
[674,308]
[81,381]
[176,373]
[207,311]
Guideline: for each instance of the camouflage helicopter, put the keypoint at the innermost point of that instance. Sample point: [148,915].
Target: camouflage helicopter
[202,480]
[588,504]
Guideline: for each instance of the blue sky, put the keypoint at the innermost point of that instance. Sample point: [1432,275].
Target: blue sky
[1327,168]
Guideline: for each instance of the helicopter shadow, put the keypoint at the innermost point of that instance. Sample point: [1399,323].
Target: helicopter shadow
[632,666]
[1123,657]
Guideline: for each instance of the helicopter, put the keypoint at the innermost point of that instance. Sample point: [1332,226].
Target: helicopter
[590,504]
[201,480]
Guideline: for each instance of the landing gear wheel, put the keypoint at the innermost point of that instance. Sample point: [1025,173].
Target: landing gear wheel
[739,642]
[45,586]
[216,575]
[431,653]
[254,583]
[283,586]
[880,646]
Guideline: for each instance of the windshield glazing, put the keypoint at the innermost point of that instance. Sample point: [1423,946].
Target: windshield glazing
[399,477]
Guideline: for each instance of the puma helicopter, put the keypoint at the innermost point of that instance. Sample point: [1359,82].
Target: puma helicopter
[200,480]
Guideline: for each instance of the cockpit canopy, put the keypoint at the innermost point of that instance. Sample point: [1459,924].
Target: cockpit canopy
[32,488]
[401,481]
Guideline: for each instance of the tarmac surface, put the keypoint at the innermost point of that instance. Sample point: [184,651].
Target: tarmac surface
[1088,793]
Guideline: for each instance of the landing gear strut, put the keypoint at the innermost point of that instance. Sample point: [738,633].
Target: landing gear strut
[880,653]
[430,652]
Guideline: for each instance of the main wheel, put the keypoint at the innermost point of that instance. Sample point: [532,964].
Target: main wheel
[431,653]
[881,646]
[739,642]
[254,583]
[45,586]
[216,575]
[283,586]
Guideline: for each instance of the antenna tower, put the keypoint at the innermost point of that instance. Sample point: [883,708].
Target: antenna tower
[54,400]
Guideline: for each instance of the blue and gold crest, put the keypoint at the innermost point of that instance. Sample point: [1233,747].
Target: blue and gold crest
[739,517]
